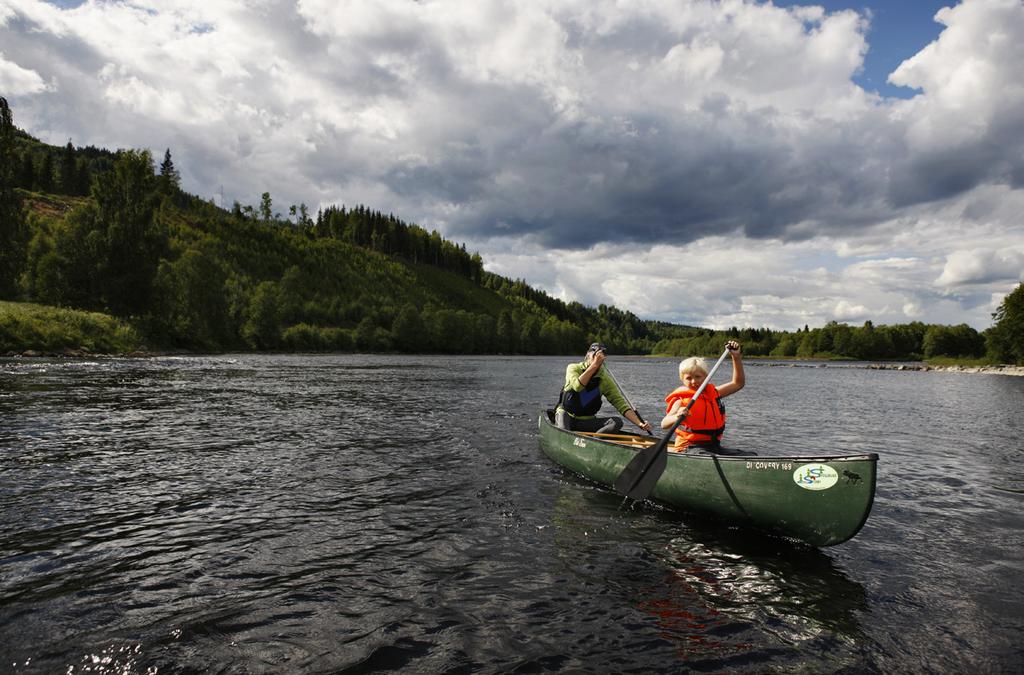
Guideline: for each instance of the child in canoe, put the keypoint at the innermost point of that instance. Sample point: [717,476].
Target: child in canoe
[705,421]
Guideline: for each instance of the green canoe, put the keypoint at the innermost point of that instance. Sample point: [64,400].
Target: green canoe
[819,499]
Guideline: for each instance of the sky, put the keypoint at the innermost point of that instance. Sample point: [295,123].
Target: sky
[712,163]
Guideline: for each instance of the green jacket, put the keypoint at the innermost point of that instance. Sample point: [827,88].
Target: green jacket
[607,386]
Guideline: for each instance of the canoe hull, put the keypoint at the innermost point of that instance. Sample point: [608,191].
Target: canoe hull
[822,500]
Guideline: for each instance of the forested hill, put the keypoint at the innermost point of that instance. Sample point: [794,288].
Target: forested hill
[92,229]
[113,232]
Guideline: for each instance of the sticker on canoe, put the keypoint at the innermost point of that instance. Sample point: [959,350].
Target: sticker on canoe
[815,476]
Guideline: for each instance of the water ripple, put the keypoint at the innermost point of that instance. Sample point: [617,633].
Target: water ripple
[354,513]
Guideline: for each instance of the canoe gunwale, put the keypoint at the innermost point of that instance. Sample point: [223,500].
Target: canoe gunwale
[707,456]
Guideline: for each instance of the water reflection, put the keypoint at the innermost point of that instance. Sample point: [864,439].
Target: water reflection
[721,597]
[797,590]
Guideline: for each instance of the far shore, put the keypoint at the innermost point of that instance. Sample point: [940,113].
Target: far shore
[762,361]
[1002,369]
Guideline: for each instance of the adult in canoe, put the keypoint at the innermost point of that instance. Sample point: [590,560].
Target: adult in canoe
[580,400]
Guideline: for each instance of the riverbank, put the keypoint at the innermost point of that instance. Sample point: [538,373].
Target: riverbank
[28,329]
[1000,369]
[39,331]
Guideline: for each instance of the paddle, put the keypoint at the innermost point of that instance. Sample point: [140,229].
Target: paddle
[623,392]
[638,478]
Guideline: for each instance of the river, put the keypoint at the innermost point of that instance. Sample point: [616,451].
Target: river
[296,513]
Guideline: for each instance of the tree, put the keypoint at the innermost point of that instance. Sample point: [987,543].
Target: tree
[266,207]
[64,269]
[806,348]
[26,172]
[193,308]
[485,334]
[408,330]
[529,335]
[368,337]
[13,230]
[292,289]
[83,177]
[170,180]
[787,346]
[953,341]
[506,337]
[1006,338]
[262,328]
[44,177]
[843,341]
[132,238]
[67,170]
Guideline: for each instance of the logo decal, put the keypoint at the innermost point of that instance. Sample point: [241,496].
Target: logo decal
[815,476]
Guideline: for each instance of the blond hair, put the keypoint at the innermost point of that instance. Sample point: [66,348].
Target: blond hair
[694,364]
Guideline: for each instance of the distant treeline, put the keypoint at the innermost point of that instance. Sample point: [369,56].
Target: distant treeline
[36,167]
[186,273]
[391,236]
[912,341]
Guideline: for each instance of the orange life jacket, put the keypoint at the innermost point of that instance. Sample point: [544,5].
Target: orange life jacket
[705,423]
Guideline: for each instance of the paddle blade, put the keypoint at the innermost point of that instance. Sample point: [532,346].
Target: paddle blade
[637,480]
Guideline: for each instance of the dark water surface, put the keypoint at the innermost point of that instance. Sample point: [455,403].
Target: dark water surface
[250,514]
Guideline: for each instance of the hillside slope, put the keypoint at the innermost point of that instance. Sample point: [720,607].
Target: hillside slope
[187,274]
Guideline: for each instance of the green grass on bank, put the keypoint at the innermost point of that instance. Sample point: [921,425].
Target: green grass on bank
[27,326]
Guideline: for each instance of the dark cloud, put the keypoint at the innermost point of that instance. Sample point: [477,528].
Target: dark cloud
[996,157]
[670,181]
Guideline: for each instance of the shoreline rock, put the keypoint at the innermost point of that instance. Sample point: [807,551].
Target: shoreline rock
[1002,369]
[84,353]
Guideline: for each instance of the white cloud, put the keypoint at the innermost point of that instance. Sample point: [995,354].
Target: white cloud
[18,81]
[982,267]
[966,128]
[846,312]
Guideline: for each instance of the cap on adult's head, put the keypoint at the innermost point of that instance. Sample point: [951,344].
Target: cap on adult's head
[597,347]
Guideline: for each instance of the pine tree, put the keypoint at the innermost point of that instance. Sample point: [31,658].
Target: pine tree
[83,177]
[66,178]
[44,178]
[27,172]
[170,179]
[13,231]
